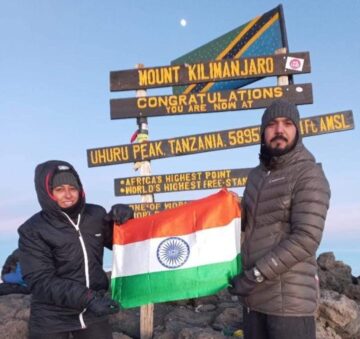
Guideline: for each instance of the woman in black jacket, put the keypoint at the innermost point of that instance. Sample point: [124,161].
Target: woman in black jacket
[61,255]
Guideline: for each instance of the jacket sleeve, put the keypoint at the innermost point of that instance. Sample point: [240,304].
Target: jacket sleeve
[108,227]
[310,202]
[39,273]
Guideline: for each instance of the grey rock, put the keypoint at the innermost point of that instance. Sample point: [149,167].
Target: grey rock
[117,335]
[324,331]
[205,308]
[212,299]
[14,329]
[215,316]
[353,292]
[341,313]
[166,334]
[200,333]
[182,318]
[230,318]
[334,275]
[127,322]
[326,261]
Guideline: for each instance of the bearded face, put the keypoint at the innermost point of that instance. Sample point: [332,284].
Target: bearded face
[280,136]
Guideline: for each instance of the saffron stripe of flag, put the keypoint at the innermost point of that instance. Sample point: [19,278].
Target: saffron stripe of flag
[186,252]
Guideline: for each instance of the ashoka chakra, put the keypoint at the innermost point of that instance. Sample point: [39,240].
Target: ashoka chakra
[173,252]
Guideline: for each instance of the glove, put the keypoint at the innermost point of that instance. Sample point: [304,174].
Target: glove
[101,306]
[243,284]
[120,214]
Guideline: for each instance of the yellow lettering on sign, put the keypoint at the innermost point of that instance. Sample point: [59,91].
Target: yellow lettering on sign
[191,72]
[142,214]
[197,102]
[158,76]
[333,122]
[217,174]
[244,136]
[231,69]
[146,150]
[258,66]
[236,182]
[177,186]
[259,93]
[197,108]
[340,122]
[233,96]
[181,177]
[225,106]
[247,104]
[196,143]
[109,155]
[146,207]
[142,210]
[307,126]
[173,204]
[226,70]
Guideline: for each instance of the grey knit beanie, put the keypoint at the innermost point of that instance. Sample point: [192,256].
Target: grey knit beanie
[280,108]
[65,178]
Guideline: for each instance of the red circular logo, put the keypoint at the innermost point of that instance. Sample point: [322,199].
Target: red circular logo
[295,63]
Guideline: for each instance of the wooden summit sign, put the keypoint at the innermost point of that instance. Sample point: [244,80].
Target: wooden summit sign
[145,209]
[212,141]
[217,70]
[232,100]
[176,182]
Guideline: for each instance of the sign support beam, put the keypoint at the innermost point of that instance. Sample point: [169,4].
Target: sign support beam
[146,311]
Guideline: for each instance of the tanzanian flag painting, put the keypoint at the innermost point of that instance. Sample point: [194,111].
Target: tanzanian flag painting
[186,252]
[260,36]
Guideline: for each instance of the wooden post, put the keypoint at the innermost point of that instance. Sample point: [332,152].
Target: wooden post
[146,311]
[282,80]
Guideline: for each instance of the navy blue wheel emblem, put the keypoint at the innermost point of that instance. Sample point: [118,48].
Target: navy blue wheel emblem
[173,252]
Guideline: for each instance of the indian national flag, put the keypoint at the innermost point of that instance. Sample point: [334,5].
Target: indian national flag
[186,252]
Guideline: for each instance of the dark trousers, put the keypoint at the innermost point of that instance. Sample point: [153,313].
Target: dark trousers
[100,330]
[262,326]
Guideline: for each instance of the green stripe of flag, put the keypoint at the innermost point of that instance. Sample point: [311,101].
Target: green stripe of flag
[136,290]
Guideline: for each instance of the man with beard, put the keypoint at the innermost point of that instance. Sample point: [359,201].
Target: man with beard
[284,208]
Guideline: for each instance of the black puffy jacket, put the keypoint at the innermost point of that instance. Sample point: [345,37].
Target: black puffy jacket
[283,217]
[62,259]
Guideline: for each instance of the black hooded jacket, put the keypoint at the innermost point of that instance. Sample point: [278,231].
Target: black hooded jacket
[62,259]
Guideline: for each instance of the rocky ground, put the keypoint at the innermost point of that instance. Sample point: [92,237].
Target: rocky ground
[217,316]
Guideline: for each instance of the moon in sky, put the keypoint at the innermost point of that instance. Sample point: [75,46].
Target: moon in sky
[183,22]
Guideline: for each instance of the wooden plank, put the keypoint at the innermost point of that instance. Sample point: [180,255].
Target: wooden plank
[146,311]
[177,182]
[212,141]
[146,321]
[146,209]
[195,103]
[216,70]
[282,80]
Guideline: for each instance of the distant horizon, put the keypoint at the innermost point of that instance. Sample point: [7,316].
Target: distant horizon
[347,256]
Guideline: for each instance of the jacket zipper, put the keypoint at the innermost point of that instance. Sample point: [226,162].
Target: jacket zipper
[256,206]
[255,213]
[86,262]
